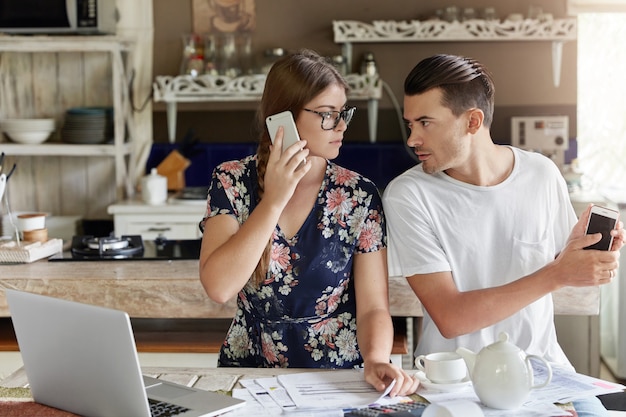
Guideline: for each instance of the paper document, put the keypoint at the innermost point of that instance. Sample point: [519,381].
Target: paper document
[335,389]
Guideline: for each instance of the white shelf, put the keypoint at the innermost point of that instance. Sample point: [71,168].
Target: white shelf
[249,88]
[556,31]
[441,31]
[44,43]
[63,149]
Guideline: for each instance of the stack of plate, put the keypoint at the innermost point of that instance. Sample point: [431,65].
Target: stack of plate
[28,131]
[89,125]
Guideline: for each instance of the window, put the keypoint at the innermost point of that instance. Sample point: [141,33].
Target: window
[602,101]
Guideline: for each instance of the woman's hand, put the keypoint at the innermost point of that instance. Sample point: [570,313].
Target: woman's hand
[284,169]
[380,375]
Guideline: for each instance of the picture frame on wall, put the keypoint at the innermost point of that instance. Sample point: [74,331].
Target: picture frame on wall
[223,16]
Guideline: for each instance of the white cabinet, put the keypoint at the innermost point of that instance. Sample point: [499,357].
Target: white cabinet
[170,220]
[119,50]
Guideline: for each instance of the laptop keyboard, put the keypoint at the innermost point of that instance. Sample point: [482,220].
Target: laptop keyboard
[163,409]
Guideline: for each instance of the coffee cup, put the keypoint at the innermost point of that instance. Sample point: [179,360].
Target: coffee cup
[442,367]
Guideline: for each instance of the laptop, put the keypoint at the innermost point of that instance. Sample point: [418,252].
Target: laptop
[82,358]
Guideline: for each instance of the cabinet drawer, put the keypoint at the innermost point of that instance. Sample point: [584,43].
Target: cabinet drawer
[151,226]
[169,230]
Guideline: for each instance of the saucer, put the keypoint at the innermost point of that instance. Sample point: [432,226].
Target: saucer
[428,384]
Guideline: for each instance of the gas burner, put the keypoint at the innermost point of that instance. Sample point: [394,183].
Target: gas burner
[111,247]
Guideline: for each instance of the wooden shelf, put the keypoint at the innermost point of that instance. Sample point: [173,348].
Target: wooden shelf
[119,49]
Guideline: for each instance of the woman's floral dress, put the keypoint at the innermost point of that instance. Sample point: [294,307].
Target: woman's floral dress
[304,314]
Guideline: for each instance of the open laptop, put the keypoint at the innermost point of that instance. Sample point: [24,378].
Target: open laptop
[82,358]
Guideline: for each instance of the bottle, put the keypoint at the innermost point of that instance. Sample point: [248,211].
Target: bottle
[368,65]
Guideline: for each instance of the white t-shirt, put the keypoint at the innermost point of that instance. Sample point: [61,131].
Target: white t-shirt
[487,236]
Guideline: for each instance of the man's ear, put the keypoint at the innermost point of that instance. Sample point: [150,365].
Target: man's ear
[475,120]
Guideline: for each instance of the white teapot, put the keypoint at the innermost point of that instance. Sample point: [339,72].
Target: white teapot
[502,374]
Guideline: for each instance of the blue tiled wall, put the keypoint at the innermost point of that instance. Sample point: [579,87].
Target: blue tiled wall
[380,162]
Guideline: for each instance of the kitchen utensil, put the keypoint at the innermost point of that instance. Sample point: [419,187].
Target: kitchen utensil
[502,374]
[4,178]
[3,184]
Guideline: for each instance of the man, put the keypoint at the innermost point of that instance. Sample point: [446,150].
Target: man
[484,233]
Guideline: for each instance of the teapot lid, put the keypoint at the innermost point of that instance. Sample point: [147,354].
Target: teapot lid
[503,344]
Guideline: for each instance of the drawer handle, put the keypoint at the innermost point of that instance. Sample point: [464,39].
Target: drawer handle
[159,229]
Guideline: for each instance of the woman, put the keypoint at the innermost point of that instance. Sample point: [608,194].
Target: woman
[301,240]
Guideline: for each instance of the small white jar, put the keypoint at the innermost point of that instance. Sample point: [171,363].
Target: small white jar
[154,188]
[31,221]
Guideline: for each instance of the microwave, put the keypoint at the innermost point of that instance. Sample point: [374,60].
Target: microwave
[82,17]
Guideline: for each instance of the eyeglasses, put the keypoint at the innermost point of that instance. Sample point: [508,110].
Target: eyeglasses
[330,119]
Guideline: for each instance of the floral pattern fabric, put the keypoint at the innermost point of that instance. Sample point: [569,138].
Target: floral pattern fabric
[304,313]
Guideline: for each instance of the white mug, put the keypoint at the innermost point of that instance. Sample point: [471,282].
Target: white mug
[442,367]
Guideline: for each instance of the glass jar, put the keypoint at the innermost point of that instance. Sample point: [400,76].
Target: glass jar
[227,58]
[451,14]
[193,55]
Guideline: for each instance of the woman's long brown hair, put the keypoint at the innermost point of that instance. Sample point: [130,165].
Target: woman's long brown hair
[293,81]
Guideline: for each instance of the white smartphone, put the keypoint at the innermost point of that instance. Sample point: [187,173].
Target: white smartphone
[602,220]
[284,119]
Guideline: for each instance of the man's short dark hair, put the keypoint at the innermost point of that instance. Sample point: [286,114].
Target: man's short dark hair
[465,83]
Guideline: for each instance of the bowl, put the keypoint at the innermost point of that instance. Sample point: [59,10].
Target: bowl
[30,137]
[27,124]
[28,131]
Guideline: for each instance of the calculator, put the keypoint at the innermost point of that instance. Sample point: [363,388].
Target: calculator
[410,409]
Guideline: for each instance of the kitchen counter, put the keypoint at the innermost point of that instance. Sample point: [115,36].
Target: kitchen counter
[146,289]
[172,289]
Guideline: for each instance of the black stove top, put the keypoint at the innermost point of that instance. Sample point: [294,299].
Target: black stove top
[128,248]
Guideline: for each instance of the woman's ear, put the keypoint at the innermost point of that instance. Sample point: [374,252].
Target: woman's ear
[475,120]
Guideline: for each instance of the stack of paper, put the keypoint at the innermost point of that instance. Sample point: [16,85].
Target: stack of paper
[314,394]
